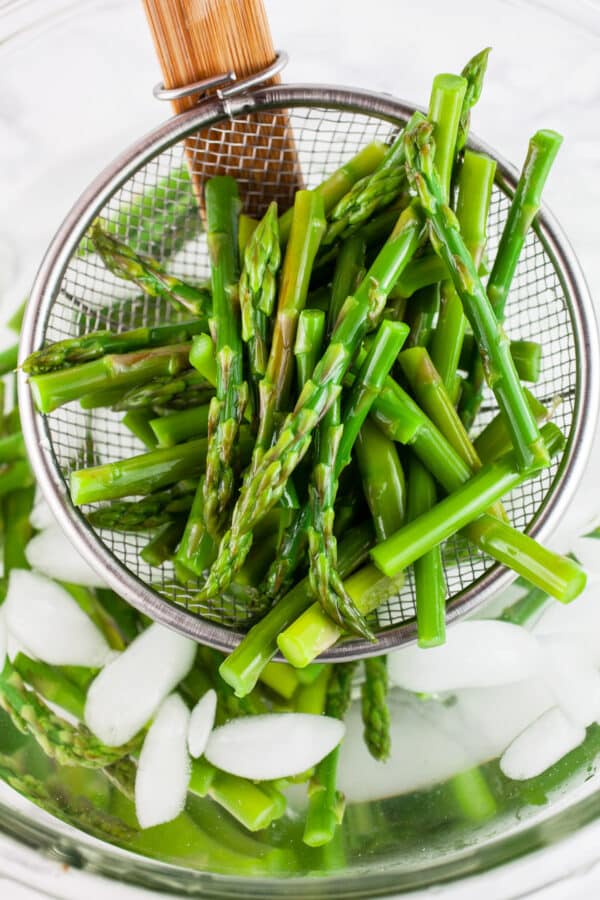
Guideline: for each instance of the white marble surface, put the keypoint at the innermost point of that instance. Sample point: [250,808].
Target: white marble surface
[75,87]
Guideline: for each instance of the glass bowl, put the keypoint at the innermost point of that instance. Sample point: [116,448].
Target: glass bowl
[77,89]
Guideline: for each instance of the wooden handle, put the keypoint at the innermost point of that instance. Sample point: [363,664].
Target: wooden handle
[197,39]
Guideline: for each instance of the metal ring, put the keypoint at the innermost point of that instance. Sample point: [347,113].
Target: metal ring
[221,81]
[188,90]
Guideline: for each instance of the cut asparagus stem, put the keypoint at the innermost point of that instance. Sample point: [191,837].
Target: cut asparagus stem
[325,803]
[447,240]
[527,357]
[495,440]
[262,258]
[143,474]
[242,668]
[558,576]
[228,405]
[113,371]
[451,514]
[374,708]
[382,479]
[309,341]
[264,488]
[430,585]
[445,109]
[340,182]
[138,422]
[147,273]
[181,426]
[543,147]
[90,347]
[349,270]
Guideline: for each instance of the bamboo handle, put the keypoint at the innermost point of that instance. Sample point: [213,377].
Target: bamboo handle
[197,39]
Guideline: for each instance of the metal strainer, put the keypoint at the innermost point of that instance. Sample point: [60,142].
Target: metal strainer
[74,294]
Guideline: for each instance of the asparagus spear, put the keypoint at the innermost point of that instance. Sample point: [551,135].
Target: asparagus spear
[430,584]
[422,314]
[448,242]
[541,153]
[474,193]
[446,115]
[324,579]
[340,182]
[143,474]
[420,273]
[144,514]
[258,286]
[185,390]
[123,370]
[325,803]
[262,490]
[309,340]
[308,224]
[369,194]
[335,444]
[242,668]
[348,273]
[89,347]
[473,73]
[69,745]
[147,273]
[228,405]
[374,706]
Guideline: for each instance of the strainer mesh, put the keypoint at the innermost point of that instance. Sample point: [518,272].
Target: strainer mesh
[90,298]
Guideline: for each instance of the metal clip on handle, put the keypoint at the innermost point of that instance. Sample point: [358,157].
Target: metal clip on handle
[228,85]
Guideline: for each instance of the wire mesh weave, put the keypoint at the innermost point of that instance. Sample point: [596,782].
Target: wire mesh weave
[90,298]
